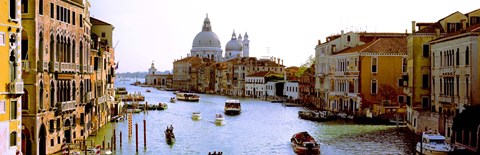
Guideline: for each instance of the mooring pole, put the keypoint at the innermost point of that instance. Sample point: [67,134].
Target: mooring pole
[145,134]
[136,137]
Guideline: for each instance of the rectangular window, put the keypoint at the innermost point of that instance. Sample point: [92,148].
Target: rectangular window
[426,49]
[474,20]
[103,34]
[408,100]
[73,18]
[40,7]
[52,142]
[400,98]
[13,9]
[425,104]
[400,82]
[425,81]
[80,22]
[374,87]
[24,6]
[52,10]
[374,65]
[58,12]
[2,39]
[51,126]
[13,110]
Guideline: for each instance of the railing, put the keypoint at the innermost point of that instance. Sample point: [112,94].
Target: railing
[101,100]
[16,87]
[67,106]
[25,65]
[446,70]
[77,68]
[445,99]
[67,67]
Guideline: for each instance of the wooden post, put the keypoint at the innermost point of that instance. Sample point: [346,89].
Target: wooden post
[120,139]
[144,134]
[85,144]
[136,137]
[103,144]
[114,140]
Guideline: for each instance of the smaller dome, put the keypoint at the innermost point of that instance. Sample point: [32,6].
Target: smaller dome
[234,45]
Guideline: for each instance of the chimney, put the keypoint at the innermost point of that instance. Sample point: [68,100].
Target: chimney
[282,62]
[413,26]
[437,32]
[278,60]
[319,42]
[464,24]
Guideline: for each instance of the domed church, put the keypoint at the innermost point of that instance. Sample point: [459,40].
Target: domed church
[207,45]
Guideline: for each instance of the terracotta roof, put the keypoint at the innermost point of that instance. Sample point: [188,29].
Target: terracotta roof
[473,28]
[259,74]
[189,59]
[381,45]
[96,21]
[431,28]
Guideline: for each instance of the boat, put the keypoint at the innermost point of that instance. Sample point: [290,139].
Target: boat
[303,143]
[219,119]
[173,100]
[148,90]
[162,106]
[121,91]
[433,144]
[134,110]
[188,97]
[169,135]
[232,107]
[196,116]
[316,115]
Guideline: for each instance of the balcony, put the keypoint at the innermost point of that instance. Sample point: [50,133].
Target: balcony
[101,100]
[16,87]
[77,68]
[40,66]
[67,106]
[25,65]
[88,96]
[67,67]
[54,66]
[446,70]
[445,99]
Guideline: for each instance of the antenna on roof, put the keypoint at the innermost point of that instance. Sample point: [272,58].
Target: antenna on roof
[116,44]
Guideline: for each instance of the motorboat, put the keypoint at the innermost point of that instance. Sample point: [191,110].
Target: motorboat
[433,144]
[303,143]
[173,100]
[162,106]
[232,107]
[188,97]
[148,90]
[219,119]
[169,135]
[196,116]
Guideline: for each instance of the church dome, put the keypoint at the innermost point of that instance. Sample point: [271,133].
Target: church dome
[234,44]
[206,39]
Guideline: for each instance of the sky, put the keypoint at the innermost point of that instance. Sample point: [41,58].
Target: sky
[162,31]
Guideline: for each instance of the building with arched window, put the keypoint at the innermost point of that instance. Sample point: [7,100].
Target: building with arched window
[11,77]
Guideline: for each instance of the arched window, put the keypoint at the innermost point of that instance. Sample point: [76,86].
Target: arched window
[13,139]
[13,9]
[52,48]
[25,99]
[457,57]
[467,56]
[82,99]
[13,66]
[40,96]
[40,52]
[374,65]
[74,92]
[52,94]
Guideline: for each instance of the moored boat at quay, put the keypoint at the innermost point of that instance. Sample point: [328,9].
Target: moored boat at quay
[316,115]
[232,107]
[433,144]
[188,97]
[304,144]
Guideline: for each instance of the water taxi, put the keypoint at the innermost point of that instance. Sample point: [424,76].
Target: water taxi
[433,144]
[188,97]
[219,119]
[173,100]
[303,143]
[196,116]
[232,107]
[121,91]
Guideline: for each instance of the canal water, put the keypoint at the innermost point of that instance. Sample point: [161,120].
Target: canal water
[262,128]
